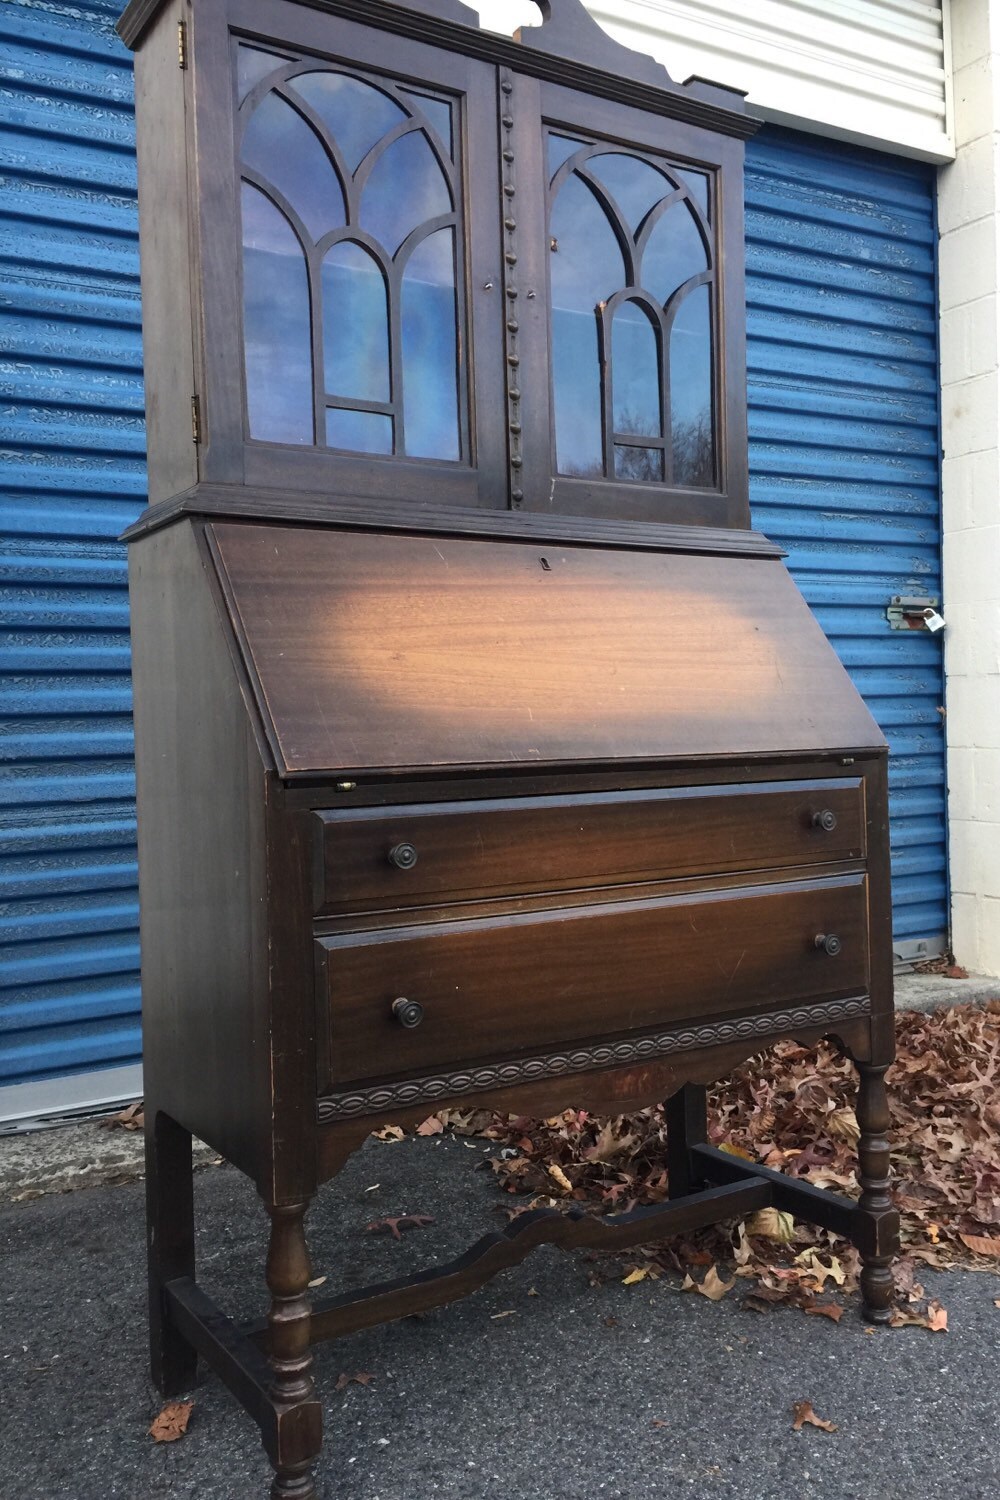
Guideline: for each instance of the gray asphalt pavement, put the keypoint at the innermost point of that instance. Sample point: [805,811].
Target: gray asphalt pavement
[555,1402]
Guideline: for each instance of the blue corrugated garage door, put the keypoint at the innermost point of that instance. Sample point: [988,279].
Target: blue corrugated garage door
[844,449]
[844,435]
[72,477]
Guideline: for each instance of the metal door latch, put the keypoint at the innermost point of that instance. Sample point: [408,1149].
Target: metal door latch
[914,612]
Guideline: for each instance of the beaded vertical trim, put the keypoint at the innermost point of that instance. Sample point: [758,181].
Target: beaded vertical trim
[515,456]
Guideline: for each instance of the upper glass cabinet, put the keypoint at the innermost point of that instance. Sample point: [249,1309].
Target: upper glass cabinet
[632,271]
[352,238]
[423,264]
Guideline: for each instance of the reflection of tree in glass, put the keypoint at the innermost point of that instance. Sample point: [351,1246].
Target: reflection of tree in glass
[639,463]
[693,453]
[577,470]
[636,463]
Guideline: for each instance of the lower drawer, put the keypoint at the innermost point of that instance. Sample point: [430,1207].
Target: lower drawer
[506,984]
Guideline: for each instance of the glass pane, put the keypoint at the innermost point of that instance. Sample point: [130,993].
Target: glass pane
[586,262]
[251,66]
[276,330]
[698,183]
[691,391]
[560,149]
[287,153]
[358,431]
[674,251]
[634,184]
[406,188]
[356,114]
[635,374]
[639,463]
[355,325]
[430,349]
[586,268]
[438,112]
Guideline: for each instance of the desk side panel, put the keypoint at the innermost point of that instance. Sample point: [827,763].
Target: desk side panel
[201,787]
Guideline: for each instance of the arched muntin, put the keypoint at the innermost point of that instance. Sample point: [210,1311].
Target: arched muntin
[643,443]
[637,448]
[398,189]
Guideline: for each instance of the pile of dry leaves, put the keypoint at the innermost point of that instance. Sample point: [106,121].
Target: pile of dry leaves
[793,1108]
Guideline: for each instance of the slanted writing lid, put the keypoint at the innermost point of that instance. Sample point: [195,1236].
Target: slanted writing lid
[392,652]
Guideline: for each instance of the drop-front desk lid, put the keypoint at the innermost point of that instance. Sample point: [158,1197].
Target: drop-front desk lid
[374,652]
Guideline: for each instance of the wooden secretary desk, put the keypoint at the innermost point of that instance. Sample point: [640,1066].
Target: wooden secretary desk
[485,754]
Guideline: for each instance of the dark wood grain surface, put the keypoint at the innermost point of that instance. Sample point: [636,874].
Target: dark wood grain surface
[400,651]
[468,850]
[200,775]
[506,984]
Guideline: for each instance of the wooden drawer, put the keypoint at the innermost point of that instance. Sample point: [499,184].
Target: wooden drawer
[502,985]
[466,850]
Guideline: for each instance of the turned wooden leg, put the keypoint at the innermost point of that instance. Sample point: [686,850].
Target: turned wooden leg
[169,1246]
[687,1126]
[299,1424]
[877,1222]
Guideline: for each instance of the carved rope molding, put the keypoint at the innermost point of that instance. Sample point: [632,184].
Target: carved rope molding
[585,1059]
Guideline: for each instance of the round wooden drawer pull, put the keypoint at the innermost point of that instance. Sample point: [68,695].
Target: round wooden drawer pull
[408,1013]
[828,942]
[403,856]
[826,820]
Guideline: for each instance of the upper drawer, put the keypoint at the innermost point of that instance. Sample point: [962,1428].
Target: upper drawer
[405,856]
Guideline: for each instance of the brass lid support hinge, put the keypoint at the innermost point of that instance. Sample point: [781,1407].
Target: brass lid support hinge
[181,44]
[195,420]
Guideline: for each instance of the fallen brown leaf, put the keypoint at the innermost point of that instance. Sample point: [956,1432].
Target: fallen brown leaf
[659,1422]
[772,1224]
[172,1422]
[981,1244]
[389,1133]
[802,1413]
[343,1381]
[130,1118]
[816,1270]
[935,1318]
[753,1303]
[431,1126]
[711,1286]
[509,1312]
[829,1310]
[396,1226]
[558,1175]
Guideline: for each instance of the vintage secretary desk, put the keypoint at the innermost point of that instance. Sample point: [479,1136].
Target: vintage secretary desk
[485,754]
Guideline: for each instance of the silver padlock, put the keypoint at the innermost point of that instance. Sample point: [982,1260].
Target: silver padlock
[934,620]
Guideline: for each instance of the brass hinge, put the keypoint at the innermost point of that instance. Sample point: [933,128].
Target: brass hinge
[195,420]
[182,60]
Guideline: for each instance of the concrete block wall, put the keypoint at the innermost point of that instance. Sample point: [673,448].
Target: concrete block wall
[968,208]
